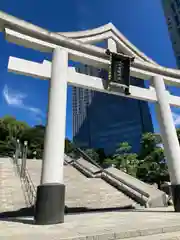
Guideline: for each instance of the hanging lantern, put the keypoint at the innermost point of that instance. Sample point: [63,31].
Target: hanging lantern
[119,71]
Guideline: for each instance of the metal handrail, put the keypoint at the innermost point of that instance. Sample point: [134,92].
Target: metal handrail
[127,184]
[88,158]
[29,188]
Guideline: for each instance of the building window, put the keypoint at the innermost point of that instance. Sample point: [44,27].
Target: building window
[169,23]
[178,58]
[177,3]
[173,8]
[176,19]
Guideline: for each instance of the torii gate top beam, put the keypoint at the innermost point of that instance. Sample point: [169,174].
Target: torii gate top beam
[30,30]
[21,26]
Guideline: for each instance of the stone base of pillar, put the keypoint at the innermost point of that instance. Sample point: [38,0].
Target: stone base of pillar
[176,197]
[50,204]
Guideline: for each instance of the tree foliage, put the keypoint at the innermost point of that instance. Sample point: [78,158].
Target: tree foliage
[68,148]
[35,138]
[124,159]
[11,129]
[152,162]
[92,154]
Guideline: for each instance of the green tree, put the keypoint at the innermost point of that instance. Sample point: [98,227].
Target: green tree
[14,127]
[92,154]
[125,160]
[102,156]
[35,138]
[152,162]
[3,131]
[68,146]
[109,162]
[10,130]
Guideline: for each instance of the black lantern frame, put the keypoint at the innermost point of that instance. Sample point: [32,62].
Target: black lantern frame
[119,70]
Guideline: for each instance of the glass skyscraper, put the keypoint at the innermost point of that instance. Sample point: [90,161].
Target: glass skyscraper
[104,120]
[172,14]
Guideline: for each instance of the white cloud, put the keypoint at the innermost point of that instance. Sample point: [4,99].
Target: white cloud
[176,118]
[35,110]
[16,99]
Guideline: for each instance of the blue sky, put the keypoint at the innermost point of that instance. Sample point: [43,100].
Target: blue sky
[141,21]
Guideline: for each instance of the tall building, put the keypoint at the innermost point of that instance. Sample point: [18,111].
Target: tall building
[172,15]
[104,120]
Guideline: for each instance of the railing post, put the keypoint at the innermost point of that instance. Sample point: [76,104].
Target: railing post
[24,158]
[17,152]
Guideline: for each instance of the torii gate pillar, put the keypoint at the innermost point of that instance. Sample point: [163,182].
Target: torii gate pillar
[50,200]
[169,138]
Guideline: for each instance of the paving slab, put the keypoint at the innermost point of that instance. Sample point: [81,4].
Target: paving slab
[163,236]
[99,226]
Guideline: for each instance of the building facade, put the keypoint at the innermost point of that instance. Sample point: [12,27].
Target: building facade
[104,120]
[172,14]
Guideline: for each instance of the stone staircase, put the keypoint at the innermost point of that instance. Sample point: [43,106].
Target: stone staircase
[82,192]
[91,187]
[87,187]
[142,193]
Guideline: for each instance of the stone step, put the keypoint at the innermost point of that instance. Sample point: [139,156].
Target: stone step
[96,193]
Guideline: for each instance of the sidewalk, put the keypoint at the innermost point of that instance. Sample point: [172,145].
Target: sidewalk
[100,226]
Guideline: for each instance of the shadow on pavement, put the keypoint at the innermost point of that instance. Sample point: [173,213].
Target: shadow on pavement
[23,215]
[80,210]
[26,215]
[23,212]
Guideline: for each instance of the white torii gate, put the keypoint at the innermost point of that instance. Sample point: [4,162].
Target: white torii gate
[78,46]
